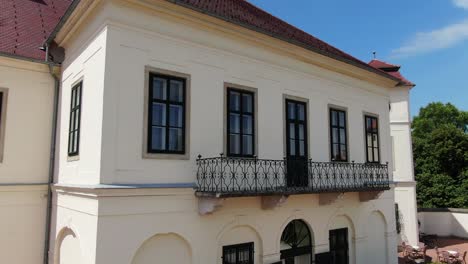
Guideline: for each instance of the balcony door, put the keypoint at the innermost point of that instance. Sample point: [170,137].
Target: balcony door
[296,144]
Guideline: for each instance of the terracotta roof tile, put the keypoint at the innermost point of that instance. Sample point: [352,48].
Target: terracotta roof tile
[25,24]
[391,69]
[246,14]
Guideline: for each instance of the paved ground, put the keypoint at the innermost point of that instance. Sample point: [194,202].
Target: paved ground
[461,245]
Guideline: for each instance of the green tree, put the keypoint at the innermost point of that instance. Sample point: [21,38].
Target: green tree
[440,149]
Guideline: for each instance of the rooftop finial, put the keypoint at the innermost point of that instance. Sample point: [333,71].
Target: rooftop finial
[374,53]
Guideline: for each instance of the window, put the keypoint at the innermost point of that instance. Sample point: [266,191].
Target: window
[166,114]
[338,137]
[3,102]
[239,254]
[240,123]
[75,121]
[372,138]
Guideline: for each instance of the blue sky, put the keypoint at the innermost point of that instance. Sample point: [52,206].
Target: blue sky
[429,38]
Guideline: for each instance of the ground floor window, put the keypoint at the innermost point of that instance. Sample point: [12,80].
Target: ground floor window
[296,243]
[239,254]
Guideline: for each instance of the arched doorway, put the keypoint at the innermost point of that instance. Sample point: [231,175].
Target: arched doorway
[296,243]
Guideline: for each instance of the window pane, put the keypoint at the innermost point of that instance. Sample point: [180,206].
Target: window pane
[335,152]
[175,115]
[159,114]
[374,124]
[292,147]
[301,132]
[375,140]
[247,124]
[291,111]
[335,135]
[229,256]
[247,145]
[376,154]
[234,123]
[368,124]
[177,91]
[159,88]
[158,138]
[369,154]
[300,112]
[234,101]
[301,147]
[292,131]
[234,143]
[77,118]
[73,92]
[342,119]
[342,135]
[78,96]
[369,139]
[175,139]
[75,141]
[247,105]
[334,118]
[72,121]
[343,152]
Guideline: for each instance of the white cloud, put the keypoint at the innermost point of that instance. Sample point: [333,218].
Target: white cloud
[424,42]
[461,3]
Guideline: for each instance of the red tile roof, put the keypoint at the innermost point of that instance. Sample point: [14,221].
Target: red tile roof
[245,14]
[382,64]
[391,69]
[25,24]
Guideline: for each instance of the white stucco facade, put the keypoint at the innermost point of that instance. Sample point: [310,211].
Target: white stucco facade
[24,168]
[123,207]
[403,169]
[115,203]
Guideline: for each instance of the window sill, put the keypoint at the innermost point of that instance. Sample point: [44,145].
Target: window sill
[166,156]
[73,158]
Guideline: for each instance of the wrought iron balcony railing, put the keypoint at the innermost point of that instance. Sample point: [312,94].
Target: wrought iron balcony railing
[225,176]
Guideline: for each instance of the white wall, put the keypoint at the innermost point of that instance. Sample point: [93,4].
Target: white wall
[211,60]
[448,223]
[127,219]
[25,165]
[84,61]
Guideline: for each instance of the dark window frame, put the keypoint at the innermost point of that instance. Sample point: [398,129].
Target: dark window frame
[368,131]
[241,125]
[296,123]
[337,126]
[237,248]
[167,102]
[75,131]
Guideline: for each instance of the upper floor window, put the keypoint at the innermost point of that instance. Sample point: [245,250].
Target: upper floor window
[166,114]
[338,137]
[75,120]
[239,254]
[372,138]
[3,99]
[240,123]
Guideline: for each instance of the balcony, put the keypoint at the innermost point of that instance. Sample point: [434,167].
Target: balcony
[235,177]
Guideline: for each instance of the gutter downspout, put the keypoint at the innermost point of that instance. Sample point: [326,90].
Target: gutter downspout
[52,156]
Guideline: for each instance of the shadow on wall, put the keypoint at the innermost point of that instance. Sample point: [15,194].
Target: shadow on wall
[444,221]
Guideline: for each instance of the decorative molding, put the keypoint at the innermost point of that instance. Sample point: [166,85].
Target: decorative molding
[329,198]
[124,190]
[368,196]
[208,205]
[404,184]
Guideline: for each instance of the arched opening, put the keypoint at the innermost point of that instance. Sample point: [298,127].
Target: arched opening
[377,242]
[296,243]
[341,235]
[164,248]
[68,248]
